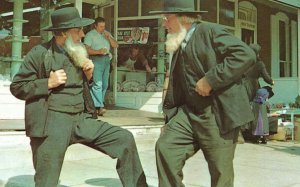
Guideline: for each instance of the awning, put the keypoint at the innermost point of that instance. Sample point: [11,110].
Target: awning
[294,3]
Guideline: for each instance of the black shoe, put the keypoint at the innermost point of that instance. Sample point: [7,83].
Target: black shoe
[264,141]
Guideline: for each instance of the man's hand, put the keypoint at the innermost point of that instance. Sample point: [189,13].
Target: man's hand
[106,35]
[102,51]
[57,78]
[203,88]
[88,68]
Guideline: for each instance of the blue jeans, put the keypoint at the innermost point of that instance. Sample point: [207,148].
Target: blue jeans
[100,77]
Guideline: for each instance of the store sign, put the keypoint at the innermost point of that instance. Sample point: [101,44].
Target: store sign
[138,35]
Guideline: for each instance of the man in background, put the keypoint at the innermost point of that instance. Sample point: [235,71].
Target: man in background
[99,43]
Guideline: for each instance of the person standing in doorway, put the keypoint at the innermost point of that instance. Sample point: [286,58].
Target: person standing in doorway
[205,103]
[99,43]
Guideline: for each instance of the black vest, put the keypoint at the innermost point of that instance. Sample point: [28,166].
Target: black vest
[188,77]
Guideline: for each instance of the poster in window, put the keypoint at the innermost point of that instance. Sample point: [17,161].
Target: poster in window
[134,35]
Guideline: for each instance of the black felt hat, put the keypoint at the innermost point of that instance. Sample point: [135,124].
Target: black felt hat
[178,7]
[66,18]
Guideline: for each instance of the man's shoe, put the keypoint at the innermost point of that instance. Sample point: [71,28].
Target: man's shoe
[101,111]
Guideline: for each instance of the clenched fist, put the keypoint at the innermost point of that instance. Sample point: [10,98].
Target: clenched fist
[57,78]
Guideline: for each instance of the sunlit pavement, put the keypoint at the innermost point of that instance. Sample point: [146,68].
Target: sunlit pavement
[276,164]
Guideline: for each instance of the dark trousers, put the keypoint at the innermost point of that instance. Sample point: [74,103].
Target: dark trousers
[65,129]
[183,136]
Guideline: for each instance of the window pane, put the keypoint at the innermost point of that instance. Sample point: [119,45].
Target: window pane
[128,8]
[282,43]
[227,13]
[211,7]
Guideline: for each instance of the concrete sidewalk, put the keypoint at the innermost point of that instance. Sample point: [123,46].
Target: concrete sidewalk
[276,164]
[119,116]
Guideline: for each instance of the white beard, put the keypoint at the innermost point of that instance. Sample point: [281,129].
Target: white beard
[77,52]
[174,40]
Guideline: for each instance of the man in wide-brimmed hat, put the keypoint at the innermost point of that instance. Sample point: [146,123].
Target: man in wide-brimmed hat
[205,103]
[59,111]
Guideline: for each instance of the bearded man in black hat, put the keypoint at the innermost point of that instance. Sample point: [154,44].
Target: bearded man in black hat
[59,111]
[205,103]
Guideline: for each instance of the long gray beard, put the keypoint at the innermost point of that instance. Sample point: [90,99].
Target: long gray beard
[174,40]
[77,52]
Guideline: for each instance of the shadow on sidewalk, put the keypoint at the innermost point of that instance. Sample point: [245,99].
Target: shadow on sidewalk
[107,182]
[293,150]
[22,181]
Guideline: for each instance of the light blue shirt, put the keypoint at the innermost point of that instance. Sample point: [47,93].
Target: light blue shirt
[188,35]
[96,40]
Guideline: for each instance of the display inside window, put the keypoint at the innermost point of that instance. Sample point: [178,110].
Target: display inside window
[137,56]
[137,67]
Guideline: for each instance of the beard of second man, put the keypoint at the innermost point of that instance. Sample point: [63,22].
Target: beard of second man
[76,51]
[174,40]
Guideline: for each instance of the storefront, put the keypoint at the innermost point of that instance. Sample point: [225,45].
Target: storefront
[272,24]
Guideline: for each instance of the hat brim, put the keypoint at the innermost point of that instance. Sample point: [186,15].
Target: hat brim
[178,12]
[270,90]
[82,22]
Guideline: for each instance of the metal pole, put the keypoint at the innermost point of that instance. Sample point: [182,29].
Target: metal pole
[17,38]
[78,5]
[115,60]
[298,61]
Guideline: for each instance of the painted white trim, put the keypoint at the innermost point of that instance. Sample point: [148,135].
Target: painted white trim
[115,69]
[24,11]
[298,18]
[78,5]
[274,46]
[280,16]
[294,41]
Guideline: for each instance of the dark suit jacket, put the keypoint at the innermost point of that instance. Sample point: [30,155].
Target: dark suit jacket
[253,74]
[222,59]
[31,84]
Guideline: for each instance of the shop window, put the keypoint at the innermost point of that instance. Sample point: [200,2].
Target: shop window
[137,55]
[128,8]
[226,13]
[211,7]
